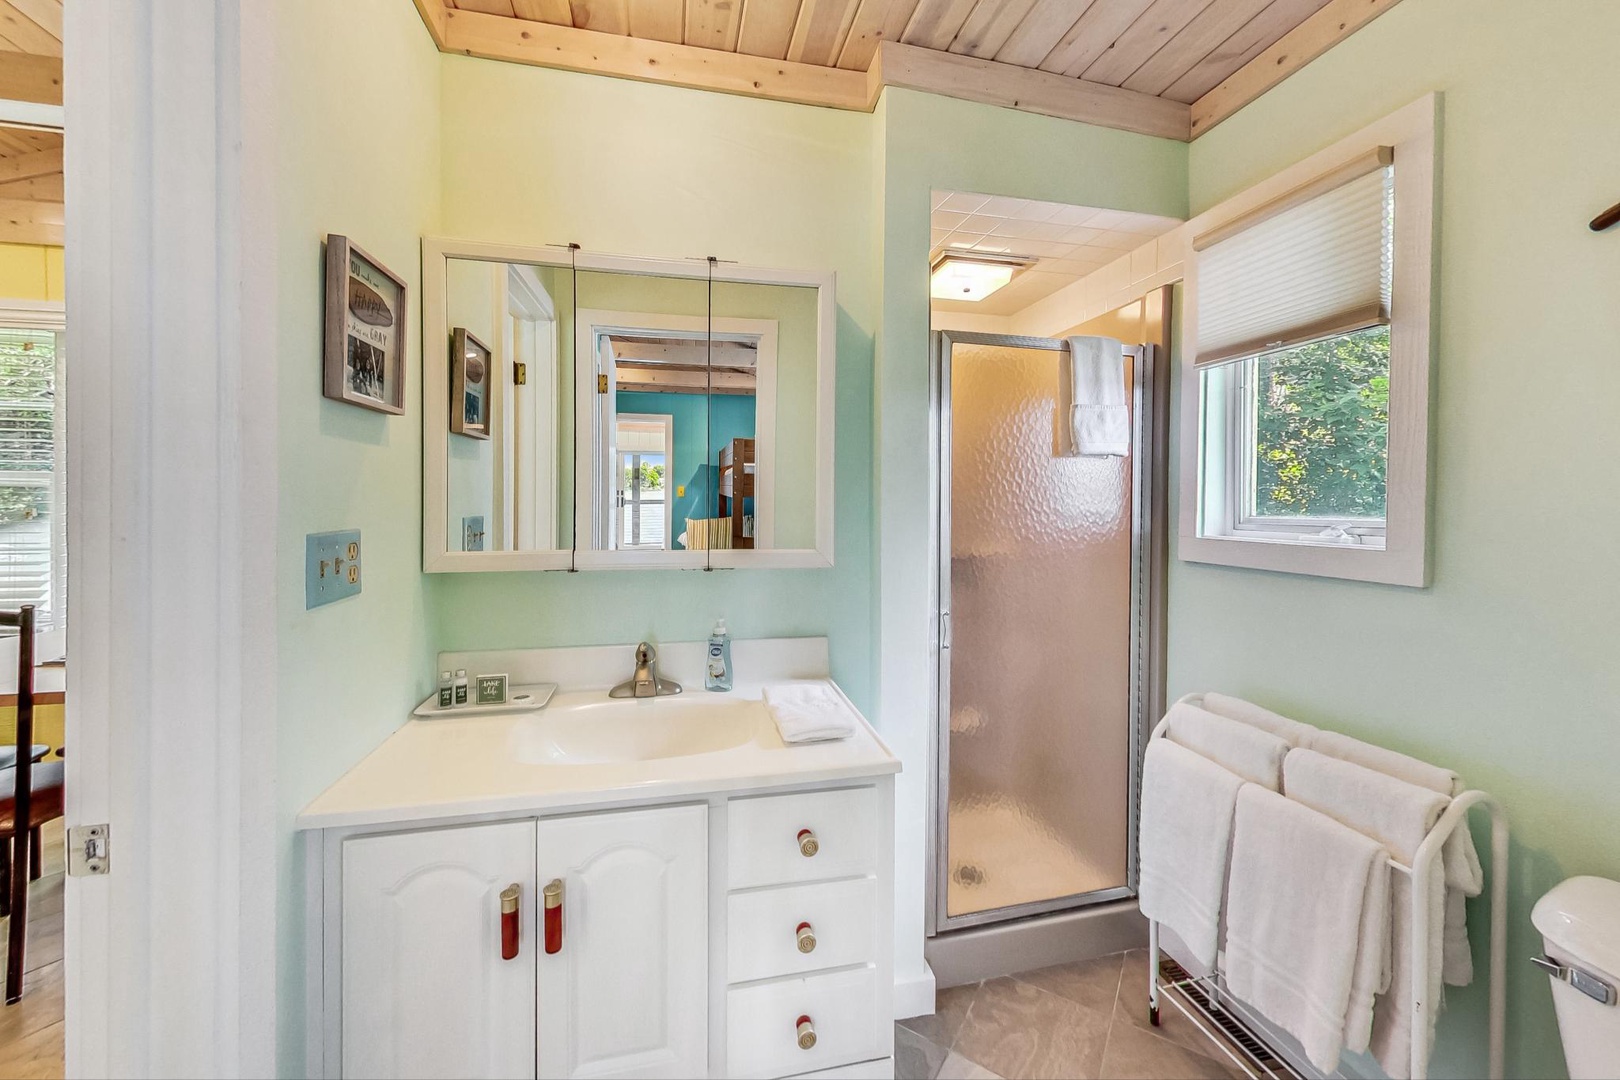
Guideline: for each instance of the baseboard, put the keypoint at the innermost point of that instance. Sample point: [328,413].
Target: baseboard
[959,957]
[914,995]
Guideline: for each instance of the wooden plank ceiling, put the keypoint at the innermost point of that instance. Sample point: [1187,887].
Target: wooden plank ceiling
[31,210]
[1146,65]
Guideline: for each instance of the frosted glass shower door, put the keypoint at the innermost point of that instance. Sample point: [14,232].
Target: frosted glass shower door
[1037,563]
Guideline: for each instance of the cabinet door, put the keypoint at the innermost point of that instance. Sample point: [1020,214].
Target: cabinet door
[425,991]
[627,994]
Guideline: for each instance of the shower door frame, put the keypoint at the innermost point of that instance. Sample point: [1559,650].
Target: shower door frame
[1146,570]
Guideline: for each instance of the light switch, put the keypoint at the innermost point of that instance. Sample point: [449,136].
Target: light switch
[680,491]
[331,566]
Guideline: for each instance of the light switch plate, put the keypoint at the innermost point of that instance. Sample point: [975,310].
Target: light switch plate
[331,566]
[472,533]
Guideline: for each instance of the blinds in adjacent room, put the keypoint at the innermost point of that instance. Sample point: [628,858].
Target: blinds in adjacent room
[30,556]
[1312,264]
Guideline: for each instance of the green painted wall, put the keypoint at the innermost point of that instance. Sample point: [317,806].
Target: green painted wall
[1506,667]
[537,157]
[357,120]
[928,143]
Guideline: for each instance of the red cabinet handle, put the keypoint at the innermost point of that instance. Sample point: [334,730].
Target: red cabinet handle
[511,930]
[807,1033]
[554,916]
[806,936]
[808,844]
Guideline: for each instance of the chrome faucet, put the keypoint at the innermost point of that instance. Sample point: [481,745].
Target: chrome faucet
[645,682]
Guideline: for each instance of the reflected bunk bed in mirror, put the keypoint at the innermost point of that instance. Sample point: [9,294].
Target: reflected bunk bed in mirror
[736,491]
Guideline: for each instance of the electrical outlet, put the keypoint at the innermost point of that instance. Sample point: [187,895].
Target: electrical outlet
[331,566]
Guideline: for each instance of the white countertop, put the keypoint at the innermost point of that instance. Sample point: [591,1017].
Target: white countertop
[467,766]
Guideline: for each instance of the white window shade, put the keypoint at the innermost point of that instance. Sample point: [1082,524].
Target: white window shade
[29,531]
[1310,265]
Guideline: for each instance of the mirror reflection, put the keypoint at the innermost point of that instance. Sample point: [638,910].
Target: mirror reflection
[693,444]
[509,442]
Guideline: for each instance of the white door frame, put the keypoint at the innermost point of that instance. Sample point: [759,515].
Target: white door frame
[172,478]
[667,422]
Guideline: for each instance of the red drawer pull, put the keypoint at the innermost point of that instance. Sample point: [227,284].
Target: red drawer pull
[511,930]
[554,916]
[807,1033]
[808,844]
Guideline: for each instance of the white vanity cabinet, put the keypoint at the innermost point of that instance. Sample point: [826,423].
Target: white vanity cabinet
[725,935]
[425,991]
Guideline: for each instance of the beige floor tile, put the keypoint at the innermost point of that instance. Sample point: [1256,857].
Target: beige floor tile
[1173,1023]
[916,1058]
[1136,1054]
[34,1057]
[950,1009]
[1019,1030]
[957,1067]
[1092,983]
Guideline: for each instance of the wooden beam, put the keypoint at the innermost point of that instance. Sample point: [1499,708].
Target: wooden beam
[544,45]
[24,77]
[23,221]
[433,14]
[1310,39]
[1032,91]
[28,166]
[664,378]
[35,189]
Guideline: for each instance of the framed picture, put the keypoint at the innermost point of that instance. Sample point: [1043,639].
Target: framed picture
[469,384]
[364,355]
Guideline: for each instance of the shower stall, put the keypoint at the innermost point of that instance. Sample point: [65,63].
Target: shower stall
[1047,580]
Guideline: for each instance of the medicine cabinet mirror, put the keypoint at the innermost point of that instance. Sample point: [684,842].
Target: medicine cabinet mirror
[616,412]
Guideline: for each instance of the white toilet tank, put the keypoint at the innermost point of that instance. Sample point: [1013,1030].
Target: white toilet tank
[1579,922]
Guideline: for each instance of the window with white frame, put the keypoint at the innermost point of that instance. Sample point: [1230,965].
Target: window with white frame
[33,556]
[1308,342]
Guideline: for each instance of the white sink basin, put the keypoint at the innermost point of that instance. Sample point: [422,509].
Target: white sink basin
[608,731]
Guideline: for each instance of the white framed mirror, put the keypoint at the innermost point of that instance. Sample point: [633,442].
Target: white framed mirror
[614,412]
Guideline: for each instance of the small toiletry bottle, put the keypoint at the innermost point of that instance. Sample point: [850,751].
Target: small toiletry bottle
[717,674]
[447,691]
[461,686]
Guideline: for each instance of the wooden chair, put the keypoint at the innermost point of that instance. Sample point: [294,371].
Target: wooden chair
[32,795]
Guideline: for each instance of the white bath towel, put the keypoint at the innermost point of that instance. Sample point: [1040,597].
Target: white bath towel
[1307,912]
[1292,732]
[1255,755]
[1464,876]
[1187,805]
[1398,815]
[1101,418]
[809,711]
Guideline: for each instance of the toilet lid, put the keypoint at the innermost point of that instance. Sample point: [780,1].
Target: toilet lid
[1581,917]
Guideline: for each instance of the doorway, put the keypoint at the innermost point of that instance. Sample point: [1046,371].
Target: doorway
[1043,658]
[644,444]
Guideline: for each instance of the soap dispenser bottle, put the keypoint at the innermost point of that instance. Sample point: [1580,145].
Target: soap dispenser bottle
[717,672]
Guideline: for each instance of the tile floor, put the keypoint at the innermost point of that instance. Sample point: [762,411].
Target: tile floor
[1085,1021]
[31,1030]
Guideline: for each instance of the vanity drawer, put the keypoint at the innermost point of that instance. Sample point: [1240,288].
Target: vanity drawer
[762,1037]
[765,845]
[762,939]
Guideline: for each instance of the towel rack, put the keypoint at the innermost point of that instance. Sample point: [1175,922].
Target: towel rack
[1454,817]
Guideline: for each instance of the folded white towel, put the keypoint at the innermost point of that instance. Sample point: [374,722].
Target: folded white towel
[1292,732]
[808,711]
[1187,804]
[1399,816]
[1307,919]
[1102,419]
[1464,875]
[1255,755]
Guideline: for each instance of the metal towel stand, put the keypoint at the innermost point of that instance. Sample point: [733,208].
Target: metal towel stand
[1454,817]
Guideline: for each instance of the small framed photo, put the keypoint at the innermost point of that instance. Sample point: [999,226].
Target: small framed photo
[469,384]
[364,354]
[491,690]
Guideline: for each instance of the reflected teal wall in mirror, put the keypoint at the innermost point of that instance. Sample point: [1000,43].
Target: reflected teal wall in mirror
[732,417]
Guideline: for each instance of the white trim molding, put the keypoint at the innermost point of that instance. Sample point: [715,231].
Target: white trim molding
[171,694]
[1403,558]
